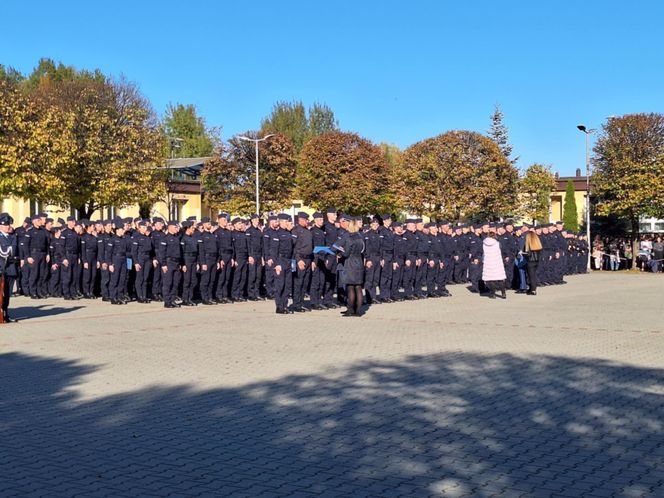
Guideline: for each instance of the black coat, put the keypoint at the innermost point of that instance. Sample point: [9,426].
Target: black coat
[351,247]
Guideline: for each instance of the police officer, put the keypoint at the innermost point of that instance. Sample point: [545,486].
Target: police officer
[208,253]
[225,257]
[141,254]
[22,279]
[372,257]
[57,254]
[268,268]
[317,286]
[116,256]
[255,260]
[475,252]
[240,260]
[8,262]
[410,262]
[331,237]
[89,259]
[169,254]
[157,235]
[72,244]
[386,257]
[401,244]
[303,250]
[36,256]
[190,246]
[105,260]
[281,253]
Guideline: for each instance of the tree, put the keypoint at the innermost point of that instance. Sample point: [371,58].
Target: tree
[629,169]
[535,189]
[187,134]
[570,214]
[291,119]
[345,171]
[10,75]
[116,146]
[35,147]
[459,174]
[499,133]
[229,177]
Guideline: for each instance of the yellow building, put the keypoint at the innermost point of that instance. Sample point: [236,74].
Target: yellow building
[183,199]
[560,192]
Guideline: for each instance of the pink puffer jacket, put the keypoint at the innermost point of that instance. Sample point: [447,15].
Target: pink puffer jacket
[493,268]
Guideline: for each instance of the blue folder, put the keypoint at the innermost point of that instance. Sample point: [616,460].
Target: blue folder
[324,250]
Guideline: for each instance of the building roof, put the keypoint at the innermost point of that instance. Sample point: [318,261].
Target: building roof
[579,182]
[191,166]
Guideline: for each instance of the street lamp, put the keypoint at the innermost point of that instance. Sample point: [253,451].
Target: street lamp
[587,132]
[256,140]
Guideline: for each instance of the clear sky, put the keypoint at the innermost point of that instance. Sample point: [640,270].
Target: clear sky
[393,71]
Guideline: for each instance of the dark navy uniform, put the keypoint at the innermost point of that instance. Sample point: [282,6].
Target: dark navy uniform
[268,233]
[421,270]
[169,253]
[303,250]
[281,252]
[57,254]
[254,272]
[475,256]
[89,259]
[36,247]
[157,236]
[331,238]
[241,258]
[387,256]
[190,245]
[142,251]
[372,254]
[317,286]
[116,248]
[225,257]
[409,269]
[8,263]
[208,254]
[401,244]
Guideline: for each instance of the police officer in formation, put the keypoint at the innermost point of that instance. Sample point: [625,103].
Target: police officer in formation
[224,261]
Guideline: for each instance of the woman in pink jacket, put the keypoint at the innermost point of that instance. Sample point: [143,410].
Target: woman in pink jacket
[493,269]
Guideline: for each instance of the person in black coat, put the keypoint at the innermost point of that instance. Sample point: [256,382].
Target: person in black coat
[8,260]
[351,247]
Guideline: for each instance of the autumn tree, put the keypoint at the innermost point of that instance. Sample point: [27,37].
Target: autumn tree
[535,189]
[292,120]
[35,147]
[229,177]
[629,169]
[345,171]
[459,174]
[570,214]
[500,134]
[116,147]
[187,134]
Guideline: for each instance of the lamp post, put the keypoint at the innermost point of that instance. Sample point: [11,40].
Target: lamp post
[587,132]
[256,140]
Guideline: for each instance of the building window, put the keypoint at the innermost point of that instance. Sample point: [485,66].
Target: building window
[645,227]
[659,226]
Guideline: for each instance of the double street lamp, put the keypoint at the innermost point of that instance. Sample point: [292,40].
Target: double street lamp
[587,132]
[256,141]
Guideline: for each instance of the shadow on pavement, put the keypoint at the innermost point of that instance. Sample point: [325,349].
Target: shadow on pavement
[40,310]
[442,425]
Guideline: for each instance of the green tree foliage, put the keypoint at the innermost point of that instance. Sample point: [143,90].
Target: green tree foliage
[629,168]
[345,171]
[535,188]
[292,120]
[499,133]
[229,176]
[187,134]
[459,174]
[10,75]
[570,213]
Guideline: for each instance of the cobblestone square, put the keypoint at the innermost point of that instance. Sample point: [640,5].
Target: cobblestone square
[556,395]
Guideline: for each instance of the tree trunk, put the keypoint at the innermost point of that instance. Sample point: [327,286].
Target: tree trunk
[85,211]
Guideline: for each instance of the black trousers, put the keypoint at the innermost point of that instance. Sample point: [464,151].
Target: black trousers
[156,281]
[68,274]
[105,282]
[142,277]
[89,277]
[224,278]
[254,278]
[531,270]
[475,275]
[432,275]
[408,276]
[9,286]
[170,281]
[461,271]
[189,279]
[283,283]
[330,279]
[301,280]
[421,275]
[208,278]
[239,277]
[317,286]
[118,278]
[386,276]
[55,283]
[397,276]
[37,273]
[371,277]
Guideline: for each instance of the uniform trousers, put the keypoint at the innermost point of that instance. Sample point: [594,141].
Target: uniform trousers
[189,278]
[239,277]
[397,276]
[142,276]
[461,271]
[317,286]
[283,282]
[118,277]
[386,275]
[69,272]
[475,275]
[432,275]
[157,281]
[89,277]
[330,279]
[301,281]
[408,276]
[55,283]
[371,277]
[254,278]
[105,280]
[37,273]
[170,281]
[224,277]
[208,277]
[421,275]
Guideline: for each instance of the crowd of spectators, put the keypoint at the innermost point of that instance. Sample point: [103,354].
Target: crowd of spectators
[615,253]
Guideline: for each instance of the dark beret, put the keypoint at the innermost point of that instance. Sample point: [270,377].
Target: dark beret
[272,217]
[303,215]
[330,210]
[236,220]
[284,216]
[49,220]
[187,224]
[205,219]
[255,216]
[27,219]
[396,224]
[157,219]
[317,215]
[173,223]
[71,218]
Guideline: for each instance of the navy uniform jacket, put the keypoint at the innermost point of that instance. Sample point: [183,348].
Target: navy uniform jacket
[72,243]
[401,244]
[331,235]
[304,243]
[190,245]
[101,246]
[36,242]
[169,250]
[117,247]
[157,237]
[89,248]
[268,233]
[224,243]
[9,245]
[240,244]
[141,247]
[57,250]
[475,247]
[20,237]
[411,243]
[255,242]
[318,239]
[372,244]
[281,246]
[386,241]
[208,247]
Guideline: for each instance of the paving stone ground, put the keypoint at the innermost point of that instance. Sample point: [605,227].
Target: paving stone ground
[556,395]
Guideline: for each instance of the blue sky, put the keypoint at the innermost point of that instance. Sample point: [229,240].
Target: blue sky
[392,71]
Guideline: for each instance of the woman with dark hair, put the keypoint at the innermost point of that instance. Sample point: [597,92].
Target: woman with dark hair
[532,250]
[351,248]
